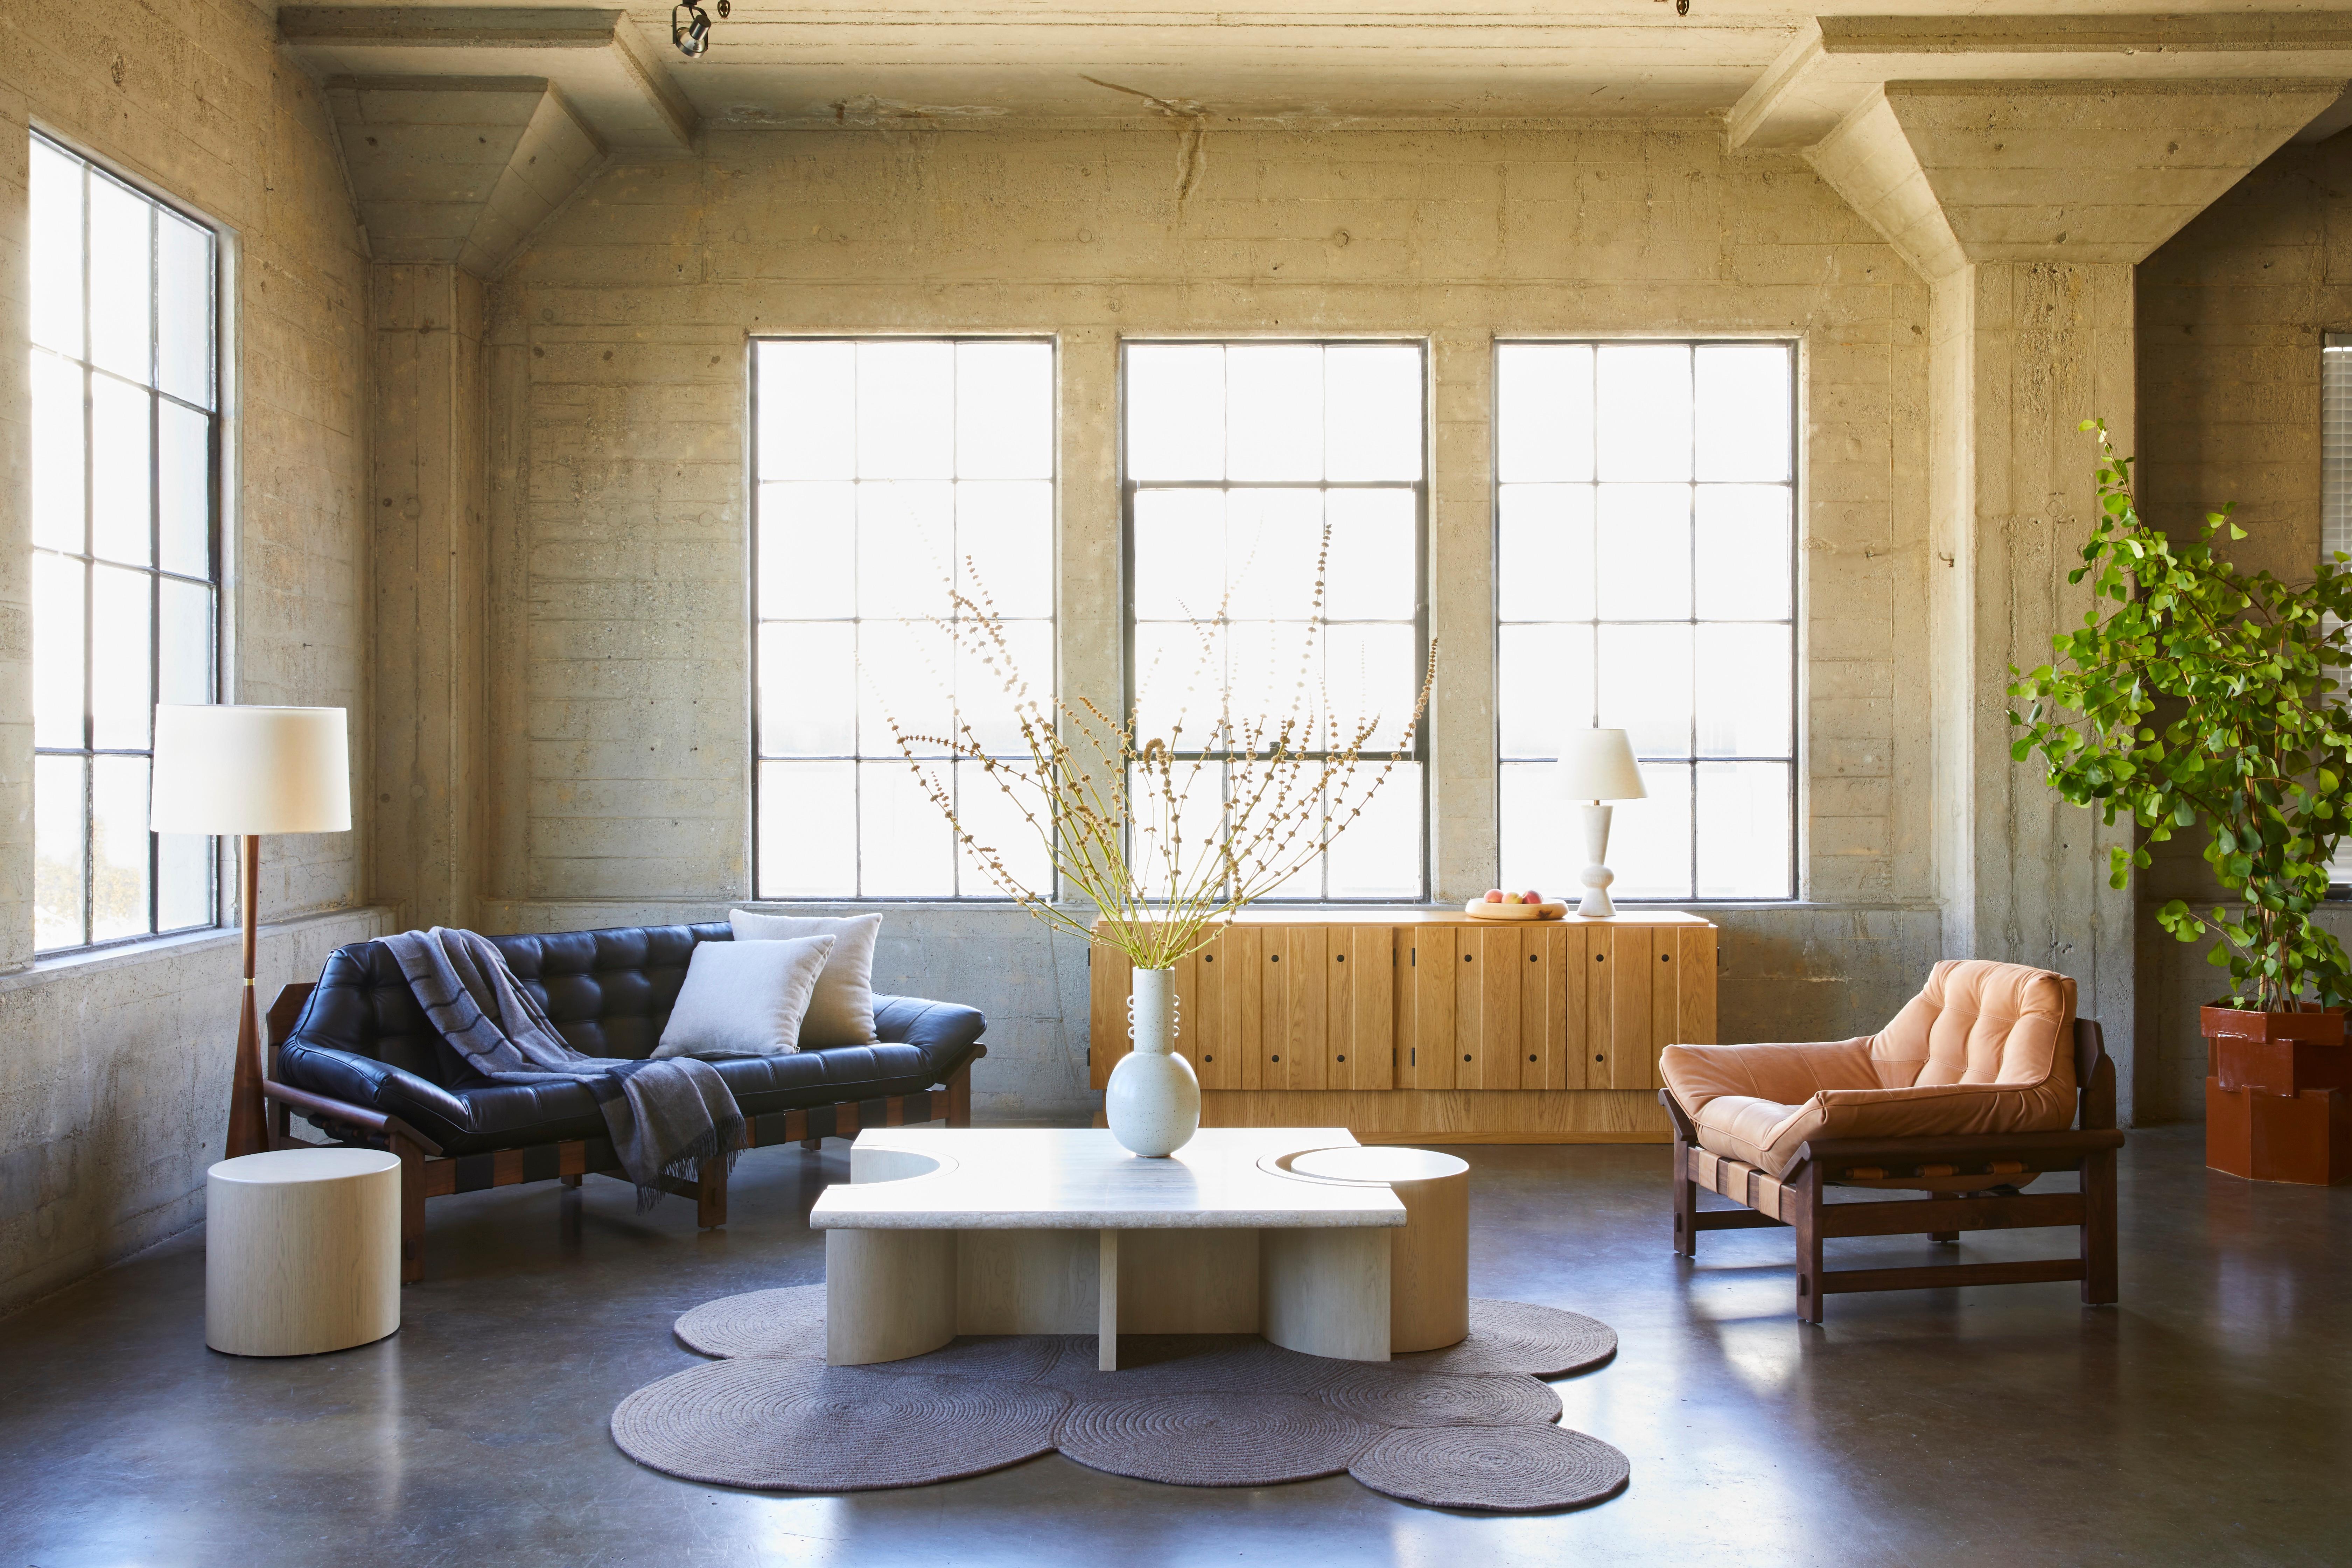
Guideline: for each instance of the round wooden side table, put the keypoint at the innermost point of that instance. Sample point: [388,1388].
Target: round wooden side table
[1429,1260]
[301,1251]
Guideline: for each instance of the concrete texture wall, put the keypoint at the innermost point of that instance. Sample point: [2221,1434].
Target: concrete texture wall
[114,1069]
[2232,313]
[617,386]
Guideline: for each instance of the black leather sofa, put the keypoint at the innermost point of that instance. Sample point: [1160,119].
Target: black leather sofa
[355,1056]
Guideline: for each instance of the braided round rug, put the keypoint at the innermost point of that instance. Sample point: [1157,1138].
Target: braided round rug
[800,1426]
[1493,1470]
[1471,1426]
[1229,1439]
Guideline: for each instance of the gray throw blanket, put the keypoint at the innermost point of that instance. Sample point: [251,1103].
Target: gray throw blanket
[666,1117]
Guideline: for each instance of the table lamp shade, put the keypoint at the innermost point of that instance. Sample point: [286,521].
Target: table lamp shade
[239,770]
[1598,765]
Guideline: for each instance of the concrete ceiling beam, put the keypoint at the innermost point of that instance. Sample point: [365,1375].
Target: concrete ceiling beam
[1836,64]
[599,60]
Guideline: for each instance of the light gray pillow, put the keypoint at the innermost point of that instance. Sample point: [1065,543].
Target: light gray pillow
[744,998]
[842,1011]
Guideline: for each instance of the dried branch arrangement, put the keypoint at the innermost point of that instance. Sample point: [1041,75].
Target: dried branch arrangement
[1109,805]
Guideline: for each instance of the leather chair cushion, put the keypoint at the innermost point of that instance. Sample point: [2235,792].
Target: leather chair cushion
[363,1039]
[1977,1051]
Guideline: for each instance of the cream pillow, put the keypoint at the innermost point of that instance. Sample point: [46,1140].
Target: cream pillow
[744,998]
[842,1011]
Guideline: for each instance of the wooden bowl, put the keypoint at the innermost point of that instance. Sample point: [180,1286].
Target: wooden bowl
[1487,912]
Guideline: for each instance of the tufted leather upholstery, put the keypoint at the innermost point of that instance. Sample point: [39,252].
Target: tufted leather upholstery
[361,1039]
[1984,1047]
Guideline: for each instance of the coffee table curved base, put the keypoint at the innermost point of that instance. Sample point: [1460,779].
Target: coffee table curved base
[889,1294]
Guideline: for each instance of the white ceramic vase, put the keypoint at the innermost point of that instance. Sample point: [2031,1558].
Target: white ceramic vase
[1153,1101]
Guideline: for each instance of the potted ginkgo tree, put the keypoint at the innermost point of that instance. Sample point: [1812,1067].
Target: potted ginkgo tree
[2198,697]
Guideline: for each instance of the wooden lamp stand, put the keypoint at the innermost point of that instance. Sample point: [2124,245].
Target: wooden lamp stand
[248,1118]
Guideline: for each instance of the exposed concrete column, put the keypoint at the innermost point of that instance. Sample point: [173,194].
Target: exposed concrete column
[2026,205]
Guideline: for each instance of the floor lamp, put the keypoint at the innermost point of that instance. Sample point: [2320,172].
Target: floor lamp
[246,771]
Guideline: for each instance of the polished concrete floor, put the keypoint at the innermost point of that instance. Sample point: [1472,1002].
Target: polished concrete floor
[2206,1420]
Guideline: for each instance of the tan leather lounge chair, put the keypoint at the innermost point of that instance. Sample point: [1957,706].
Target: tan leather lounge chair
[1984,1081]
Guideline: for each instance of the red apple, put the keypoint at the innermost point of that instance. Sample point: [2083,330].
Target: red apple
[1531,897]
[1494,895]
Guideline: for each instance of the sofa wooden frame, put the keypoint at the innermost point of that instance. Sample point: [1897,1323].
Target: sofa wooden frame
[427,1172]
[1970,1183]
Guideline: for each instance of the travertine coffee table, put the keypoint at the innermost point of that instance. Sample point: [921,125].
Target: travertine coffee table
[940,1232]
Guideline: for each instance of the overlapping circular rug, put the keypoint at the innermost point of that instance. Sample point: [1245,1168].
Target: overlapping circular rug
[1471,1426]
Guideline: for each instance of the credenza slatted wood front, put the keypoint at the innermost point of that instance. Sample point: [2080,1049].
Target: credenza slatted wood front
[1414,1025]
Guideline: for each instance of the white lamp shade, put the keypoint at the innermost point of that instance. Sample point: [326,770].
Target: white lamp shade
[221,769]
[1598,765]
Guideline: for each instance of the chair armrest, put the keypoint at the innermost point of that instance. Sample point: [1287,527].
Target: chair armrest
[1787,1074]
[945,1031]
[337,1110]
[349,1078]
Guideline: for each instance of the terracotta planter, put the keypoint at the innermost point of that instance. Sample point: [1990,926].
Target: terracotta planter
[2278,1094]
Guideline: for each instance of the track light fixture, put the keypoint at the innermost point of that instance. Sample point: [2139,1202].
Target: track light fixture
[689,26]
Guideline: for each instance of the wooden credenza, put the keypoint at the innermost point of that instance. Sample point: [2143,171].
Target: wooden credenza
[1411,1025]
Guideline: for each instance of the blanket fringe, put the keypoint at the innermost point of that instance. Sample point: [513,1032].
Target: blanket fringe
[724,1141]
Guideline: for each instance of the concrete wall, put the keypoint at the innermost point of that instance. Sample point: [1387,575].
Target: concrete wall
[114,1069]
[2232,313]
[617,372]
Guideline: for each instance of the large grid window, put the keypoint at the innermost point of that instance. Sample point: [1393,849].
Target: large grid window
[2336,497]
[1645,578]
[126,440]
[1238,456]
[888,469]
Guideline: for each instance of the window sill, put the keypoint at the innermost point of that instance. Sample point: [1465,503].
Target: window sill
[162,949]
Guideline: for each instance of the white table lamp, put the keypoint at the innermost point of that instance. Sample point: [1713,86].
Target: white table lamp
[1596,766]
[250,771]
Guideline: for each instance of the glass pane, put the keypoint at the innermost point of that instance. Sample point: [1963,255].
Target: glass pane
[1371,678]
[1543,687]
[1178,815]
[1643,418]
[1744,700]
[906,548]
[1743,831]
[905,849]
[808,551]
[906,671]
[1004,546]
[1179,673]
[1742,411]
[58,651]
[55,224]
[184,643]
[1274,410]
[1742,558]
[905,411]
[1371,411]
[989,682]
[808,687]
[1543,844]
[1004,411]
[121,280]
[57,465]
[122,520]
[1276,827]
[1275,672]
[184,308]
[184,467]
[1377,854]
[58,852]
[1641,543]
[121,702]
[1180,555]
[118,799]
[1175,410]
[1008,817]
[1544,553]
[1371,574]
[1543,412]
[184,890]
[1273,540]
[1650,839]
[808,830]
[808,413]
[1645,687]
